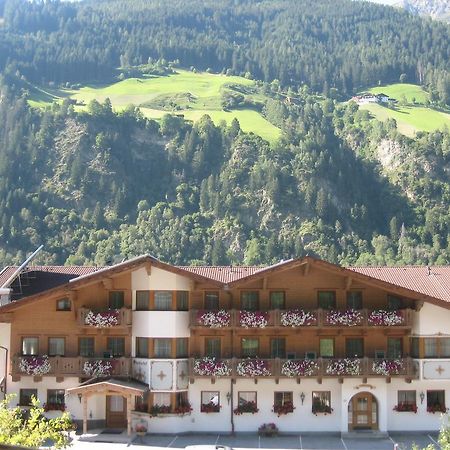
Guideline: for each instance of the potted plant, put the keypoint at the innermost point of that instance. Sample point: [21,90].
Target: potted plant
[141,429]
[268,430]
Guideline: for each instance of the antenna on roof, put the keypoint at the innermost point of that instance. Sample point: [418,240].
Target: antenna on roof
[21,267]
[428,270]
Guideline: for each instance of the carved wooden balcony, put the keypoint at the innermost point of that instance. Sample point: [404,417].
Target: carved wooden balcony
[110,318]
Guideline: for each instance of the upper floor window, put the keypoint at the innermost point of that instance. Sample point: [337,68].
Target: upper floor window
[250,347]
[182,348]
[56,346]
[163,300]
[250,300]
[354,347]
[182,300]
[354,300]
[213,347]
[394,302]
[63,304]
[326,299]
[161,399]
[437,347]
[277,300]
[86,346]
[394,347]
[30,346]
[278,348]
[162,347]
[142,300]
[116,346]
[326,347]
[211,300]
[116,299]
[141,347]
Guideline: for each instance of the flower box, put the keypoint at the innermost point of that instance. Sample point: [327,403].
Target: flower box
[98,368]
[405,407]
[209,408]
[211,367]
[282,410]
[253,368]
[35,365]
[103,319]
[383,318]
[436,409]
[319,408]
[297,318]
[345,366]
[214,319]
[183,409]
[253,319]
[54,407]
[247,407]
[349,318]
[301,368]
[387,367]
[268,430]
[156,410]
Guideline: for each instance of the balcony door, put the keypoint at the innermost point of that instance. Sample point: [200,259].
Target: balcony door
[116,411]
[363,412]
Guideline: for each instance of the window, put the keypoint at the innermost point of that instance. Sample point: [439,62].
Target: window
[182,400]
[116,299]
[182,300]
[55,397]
[86,346]
[56,346]
[141,347]
[326,299]
[444,347]
[25,396]
[277,300]
[161,399]
[116,346]
[163,300]
[431,348]
[213,347]
[182,348]
[141,402]
[63,304]
[394,302]
[278,348]
[321,402]
[250,347]
[283,402]
[247,402]
[162,347]
[250,300]
[436,401]
[326,348]
[436,347]
[414,347]
[354,348]
[30,346]
[211,301]
[406,400]
[354,300]
[210,401]
[142,300]
[394,347]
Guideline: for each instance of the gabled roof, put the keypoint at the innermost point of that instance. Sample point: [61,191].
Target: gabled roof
[223,274]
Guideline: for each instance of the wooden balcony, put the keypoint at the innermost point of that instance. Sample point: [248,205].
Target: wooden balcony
[295,319]
[109,318]
[304,368]
[61,367]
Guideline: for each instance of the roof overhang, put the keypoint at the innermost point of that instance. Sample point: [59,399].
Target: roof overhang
[109,387]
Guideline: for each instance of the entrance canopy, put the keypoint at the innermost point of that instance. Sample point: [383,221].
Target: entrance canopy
[109,386]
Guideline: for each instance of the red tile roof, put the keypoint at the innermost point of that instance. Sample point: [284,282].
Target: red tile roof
[223,274]
[434,283]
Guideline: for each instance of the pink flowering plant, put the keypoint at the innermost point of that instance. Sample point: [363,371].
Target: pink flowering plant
[103,319]
[349,318]
[211,367]
[297,318]
[345,366]
[387,366]
[253,319]
[383,318]
[300,368]
[35,365]
[253,368]
[97,368]
[214,319]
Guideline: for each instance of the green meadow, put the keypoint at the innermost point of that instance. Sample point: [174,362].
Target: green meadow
[189,94]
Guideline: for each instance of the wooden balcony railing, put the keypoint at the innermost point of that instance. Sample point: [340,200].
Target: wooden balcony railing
[295,318]
[60,366]
[300,368]
[110,318]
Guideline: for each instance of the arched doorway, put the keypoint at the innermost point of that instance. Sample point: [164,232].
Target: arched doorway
[363,412]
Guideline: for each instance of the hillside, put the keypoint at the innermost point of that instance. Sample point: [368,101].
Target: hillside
[185,93]
[437,9]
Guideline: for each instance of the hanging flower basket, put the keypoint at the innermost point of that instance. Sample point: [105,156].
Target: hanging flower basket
[387,367]
[253,319]
[214,319]
[302,368]
[103,319]
[346,366]
[97,368]
[297,318]
[253,368]
[35,365]
[282,410]
[383,318]
[349,318]
[211,367]
[247,407]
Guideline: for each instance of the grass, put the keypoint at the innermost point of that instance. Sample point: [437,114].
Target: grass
[187,93]
[410,118]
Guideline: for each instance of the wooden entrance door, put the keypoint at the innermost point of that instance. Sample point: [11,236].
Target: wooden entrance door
[363,412]
[116,411]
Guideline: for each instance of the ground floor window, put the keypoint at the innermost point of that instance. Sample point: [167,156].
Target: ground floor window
[161,403]
[321,402]
[26,395]
[246,402]
[55,400]
[283,403]
[406,401]
[182,405]
[436,401]
[210,401]
[141,402]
